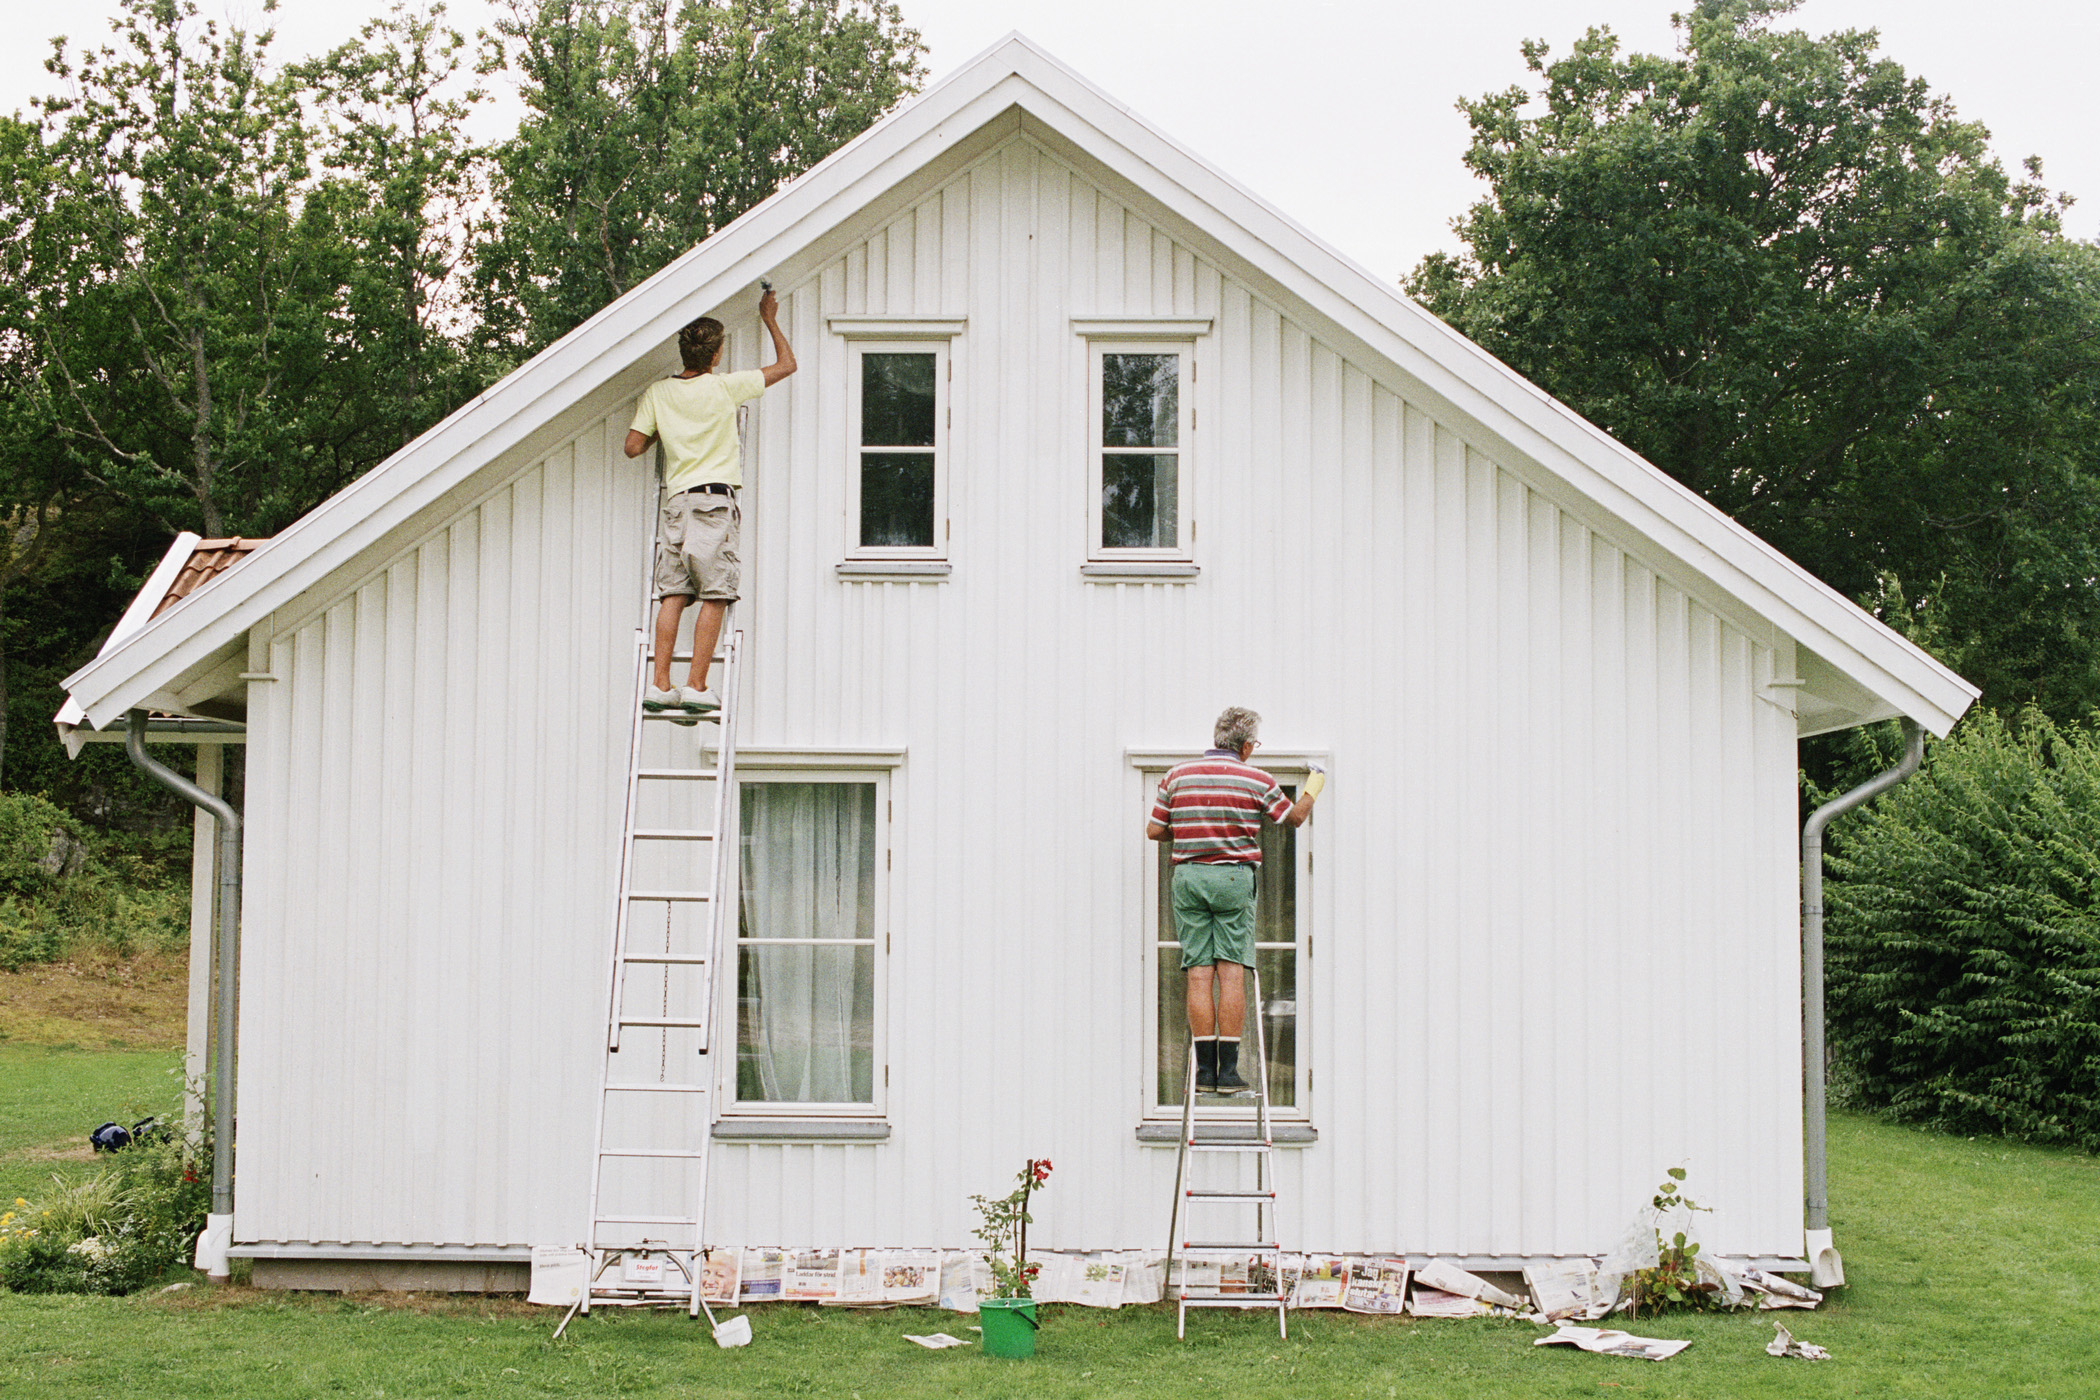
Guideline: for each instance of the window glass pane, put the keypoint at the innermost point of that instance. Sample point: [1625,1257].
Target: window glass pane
[896,400]
[1140,400]
[896,498]
[1139,509]
[806,1010]
[1275,921]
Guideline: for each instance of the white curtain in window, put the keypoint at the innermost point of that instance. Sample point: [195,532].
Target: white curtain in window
[808,872]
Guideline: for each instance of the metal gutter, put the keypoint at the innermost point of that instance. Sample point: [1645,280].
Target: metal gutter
[226,937]
[1827,1267]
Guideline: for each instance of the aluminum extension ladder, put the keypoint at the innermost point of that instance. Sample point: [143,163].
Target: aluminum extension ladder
[675,912]
[1237,1145]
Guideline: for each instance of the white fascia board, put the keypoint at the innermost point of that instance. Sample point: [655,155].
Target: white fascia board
[134,620]
[480,431]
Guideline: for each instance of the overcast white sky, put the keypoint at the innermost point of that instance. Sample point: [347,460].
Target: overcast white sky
[1340,112]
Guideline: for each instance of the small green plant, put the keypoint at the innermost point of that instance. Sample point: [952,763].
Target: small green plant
[1676,1280]
[115,1231]
[1004,1230]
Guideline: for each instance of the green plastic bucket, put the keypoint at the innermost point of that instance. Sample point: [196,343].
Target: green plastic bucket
[1009,1326]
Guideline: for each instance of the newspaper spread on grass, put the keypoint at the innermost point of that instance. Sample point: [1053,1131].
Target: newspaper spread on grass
[812,1276]
[720,1274]
[560,1273]
[936,1341]
[1452,1279]
[1322,1279]
[1774,1291]
[911,1275]
[765,1275]
[1564,1288]
[860,1278]
[1605,1341]
[1377,1286]
[964,1279]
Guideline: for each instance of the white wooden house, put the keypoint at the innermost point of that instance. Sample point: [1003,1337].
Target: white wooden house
[1539,943]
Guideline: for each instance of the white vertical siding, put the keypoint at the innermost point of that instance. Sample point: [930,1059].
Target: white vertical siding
[434,819]
[1551,893]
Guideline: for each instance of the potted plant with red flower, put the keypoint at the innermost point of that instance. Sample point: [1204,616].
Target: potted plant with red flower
[1008,1320]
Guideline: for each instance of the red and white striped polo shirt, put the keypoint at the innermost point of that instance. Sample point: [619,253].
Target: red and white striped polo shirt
[1213,806]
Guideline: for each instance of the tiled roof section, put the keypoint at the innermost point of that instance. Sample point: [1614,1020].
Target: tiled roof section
[207,561]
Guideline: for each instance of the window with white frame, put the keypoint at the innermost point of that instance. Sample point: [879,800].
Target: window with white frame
[1280,951]
[897,493]
[810,932]
[1141,416]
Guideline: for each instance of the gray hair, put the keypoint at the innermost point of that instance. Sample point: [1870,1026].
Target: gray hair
[1236,728]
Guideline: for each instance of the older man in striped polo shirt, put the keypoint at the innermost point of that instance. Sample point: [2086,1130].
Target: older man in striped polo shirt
[1212,809]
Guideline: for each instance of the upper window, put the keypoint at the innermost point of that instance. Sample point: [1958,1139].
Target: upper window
[809,930]
[1279,954]
[1141,418]
[897,504]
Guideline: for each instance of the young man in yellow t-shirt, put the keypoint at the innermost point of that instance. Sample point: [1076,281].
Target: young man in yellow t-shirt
[696,545]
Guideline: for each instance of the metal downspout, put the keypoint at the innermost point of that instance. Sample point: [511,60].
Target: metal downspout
[218,1233]
[1827,1267]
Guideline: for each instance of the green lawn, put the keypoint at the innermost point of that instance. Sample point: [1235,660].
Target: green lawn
[51,1099]
[1975,1271]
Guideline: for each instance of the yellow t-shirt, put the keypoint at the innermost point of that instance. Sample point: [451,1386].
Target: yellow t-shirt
[696,420]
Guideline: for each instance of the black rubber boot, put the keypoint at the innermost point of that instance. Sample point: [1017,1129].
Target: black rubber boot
[1206,1063]
[1229,1081]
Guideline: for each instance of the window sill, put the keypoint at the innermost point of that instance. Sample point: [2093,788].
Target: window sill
[1146,570]
[1282,1134]
[800,1130]
[894,571]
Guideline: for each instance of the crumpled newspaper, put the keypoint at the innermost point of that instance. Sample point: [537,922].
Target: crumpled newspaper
[1785,1344]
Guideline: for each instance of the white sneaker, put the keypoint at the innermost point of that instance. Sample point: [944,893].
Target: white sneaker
[654,699]
[697,702]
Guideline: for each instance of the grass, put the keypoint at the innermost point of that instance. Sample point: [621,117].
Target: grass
[52,1097]
[1975,1270]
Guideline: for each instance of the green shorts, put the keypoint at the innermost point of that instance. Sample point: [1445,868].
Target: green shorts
[1214,913]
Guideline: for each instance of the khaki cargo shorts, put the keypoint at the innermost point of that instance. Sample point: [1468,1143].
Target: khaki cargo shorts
[696,547]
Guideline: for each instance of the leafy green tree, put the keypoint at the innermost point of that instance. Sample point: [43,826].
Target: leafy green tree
[651,125]
[404,183]
[192,315]
[1789,275]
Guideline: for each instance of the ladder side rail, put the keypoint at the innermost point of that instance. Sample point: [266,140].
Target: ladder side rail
[624,905]
[1268,1215]
[720,930]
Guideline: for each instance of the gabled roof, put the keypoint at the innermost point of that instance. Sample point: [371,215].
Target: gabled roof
[1856,668]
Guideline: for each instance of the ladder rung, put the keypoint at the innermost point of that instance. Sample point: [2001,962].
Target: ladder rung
[687,1023]
[696,774]
[677,656]
[1232,1300]
[1229,1247]
[707,717]
[646,1220]
[675,959]
[670,833]
[654,1088]
[649,1152]
[1231,1195]
[1249,1145]
[668,896]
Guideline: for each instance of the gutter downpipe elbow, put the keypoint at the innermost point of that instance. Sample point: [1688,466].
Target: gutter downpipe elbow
[1825,1265]
[226,938]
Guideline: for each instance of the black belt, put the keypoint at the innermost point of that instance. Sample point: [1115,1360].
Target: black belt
[711,488]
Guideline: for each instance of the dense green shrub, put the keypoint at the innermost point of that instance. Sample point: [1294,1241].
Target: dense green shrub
[1964,937]
[60,890]
[115,1231]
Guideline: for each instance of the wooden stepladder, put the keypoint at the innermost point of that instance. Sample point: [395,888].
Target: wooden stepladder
[676,912]
[1247,1147]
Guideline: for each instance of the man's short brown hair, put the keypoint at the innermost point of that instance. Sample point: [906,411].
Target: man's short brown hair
[699,341]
